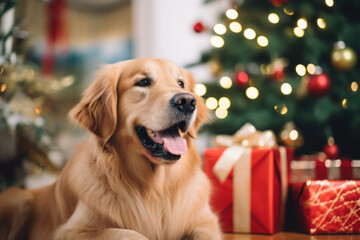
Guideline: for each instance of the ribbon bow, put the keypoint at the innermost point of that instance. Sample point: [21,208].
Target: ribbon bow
[246,137]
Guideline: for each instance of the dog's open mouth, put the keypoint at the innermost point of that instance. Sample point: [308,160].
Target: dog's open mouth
[166,144]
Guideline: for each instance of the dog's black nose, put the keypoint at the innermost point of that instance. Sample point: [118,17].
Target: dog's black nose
[184,102]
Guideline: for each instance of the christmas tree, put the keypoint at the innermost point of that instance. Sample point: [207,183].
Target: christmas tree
[26,98]
[289,66]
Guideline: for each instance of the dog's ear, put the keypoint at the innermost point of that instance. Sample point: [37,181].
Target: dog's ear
[97,110]
[202,112]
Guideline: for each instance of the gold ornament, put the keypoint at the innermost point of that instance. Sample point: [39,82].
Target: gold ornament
[343,58]
[215,67]
[302,90]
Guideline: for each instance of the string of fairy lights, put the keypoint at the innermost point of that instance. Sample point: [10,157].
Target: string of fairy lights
[220,106]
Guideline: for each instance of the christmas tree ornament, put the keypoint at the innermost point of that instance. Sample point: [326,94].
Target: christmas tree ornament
[242,79]
[331,149]
[279,3]
[278,75]
[343,58]
[215,66]
[277,69]
[199,27]
[302,90]
[319,85]
[281,108]
[3,87]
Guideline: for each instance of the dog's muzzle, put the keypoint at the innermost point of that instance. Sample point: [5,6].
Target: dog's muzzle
[167,143]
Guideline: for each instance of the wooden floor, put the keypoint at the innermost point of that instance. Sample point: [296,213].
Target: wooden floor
[289,236]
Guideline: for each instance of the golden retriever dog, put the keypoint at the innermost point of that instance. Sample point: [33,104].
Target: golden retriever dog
[137,176]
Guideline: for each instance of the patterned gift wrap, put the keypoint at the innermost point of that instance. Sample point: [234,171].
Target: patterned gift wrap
[327,207]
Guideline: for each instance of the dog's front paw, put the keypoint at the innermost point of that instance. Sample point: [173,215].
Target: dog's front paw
[203,234]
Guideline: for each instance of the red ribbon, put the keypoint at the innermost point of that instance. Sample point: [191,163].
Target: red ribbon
[320,170]
[346,170]
[56,33]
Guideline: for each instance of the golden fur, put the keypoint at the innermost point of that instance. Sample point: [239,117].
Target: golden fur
[112,188]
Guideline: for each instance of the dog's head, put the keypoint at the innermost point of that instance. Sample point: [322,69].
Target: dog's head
[151,102]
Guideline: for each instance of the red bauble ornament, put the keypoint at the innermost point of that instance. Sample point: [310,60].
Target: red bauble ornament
[331,150]
[279,3]
[278,75]
[199,27]
[242,79]
[319,85]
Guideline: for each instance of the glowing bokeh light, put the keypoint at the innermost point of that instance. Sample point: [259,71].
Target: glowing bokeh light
[224,103]
[221,113]
[217,41]
[249,33]
[302,23]
[293,135]
[231,14]
[329,3]
[299,32]
[354,86]
[200,89]
[262,41]
[311,68]
[286,88]
[211,103]
[220,29]
[235,27]
[225,82]
[252,92]
[321,23]
[273,18]
[300,70]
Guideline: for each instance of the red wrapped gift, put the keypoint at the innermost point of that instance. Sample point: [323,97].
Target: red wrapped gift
[327,207]
[250,197]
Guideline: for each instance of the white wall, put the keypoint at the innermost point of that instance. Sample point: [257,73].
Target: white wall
[164,29]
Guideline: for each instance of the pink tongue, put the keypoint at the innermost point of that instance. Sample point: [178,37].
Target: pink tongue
[173,144]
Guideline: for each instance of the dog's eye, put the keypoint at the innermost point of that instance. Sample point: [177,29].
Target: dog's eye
[144,82]
[181,83]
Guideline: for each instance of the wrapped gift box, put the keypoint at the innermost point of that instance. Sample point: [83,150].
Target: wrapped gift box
[326,207]
[249,198]
[317,167]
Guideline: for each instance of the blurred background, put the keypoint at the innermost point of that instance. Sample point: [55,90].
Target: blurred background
[289,66]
